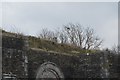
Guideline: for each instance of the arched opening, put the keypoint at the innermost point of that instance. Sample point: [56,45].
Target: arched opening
[49,70]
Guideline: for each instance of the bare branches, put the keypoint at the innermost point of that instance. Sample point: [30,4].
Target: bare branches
[75,35]
[89,38]
[48,35]
[115,49]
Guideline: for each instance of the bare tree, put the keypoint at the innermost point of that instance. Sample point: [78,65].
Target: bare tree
[48,35]
[73,34]
[115,49]
[83,38]
[97,43]
[79,35]
[63,38]
[91,41]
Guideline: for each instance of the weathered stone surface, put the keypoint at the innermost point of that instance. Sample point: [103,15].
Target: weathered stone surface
[12,42]
[81,66]
[24,63]
[49,70]
[13,62]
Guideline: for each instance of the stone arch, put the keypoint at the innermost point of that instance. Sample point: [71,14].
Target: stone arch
[49,70]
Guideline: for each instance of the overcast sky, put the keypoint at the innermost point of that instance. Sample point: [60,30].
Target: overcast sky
[30,18]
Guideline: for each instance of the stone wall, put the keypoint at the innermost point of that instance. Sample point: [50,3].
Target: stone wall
[24,63]
[14,62]
[14,55]
[82,66]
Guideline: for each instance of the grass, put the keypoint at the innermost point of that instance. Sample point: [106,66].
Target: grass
[46,45]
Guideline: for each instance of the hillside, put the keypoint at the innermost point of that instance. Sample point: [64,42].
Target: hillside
[46,45]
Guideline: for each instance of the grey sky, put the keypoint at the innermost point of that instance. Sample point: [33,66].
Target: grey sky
[30,18]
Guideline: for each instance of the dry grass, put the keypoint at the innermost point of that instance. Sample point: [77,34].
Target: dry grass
[46,45]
